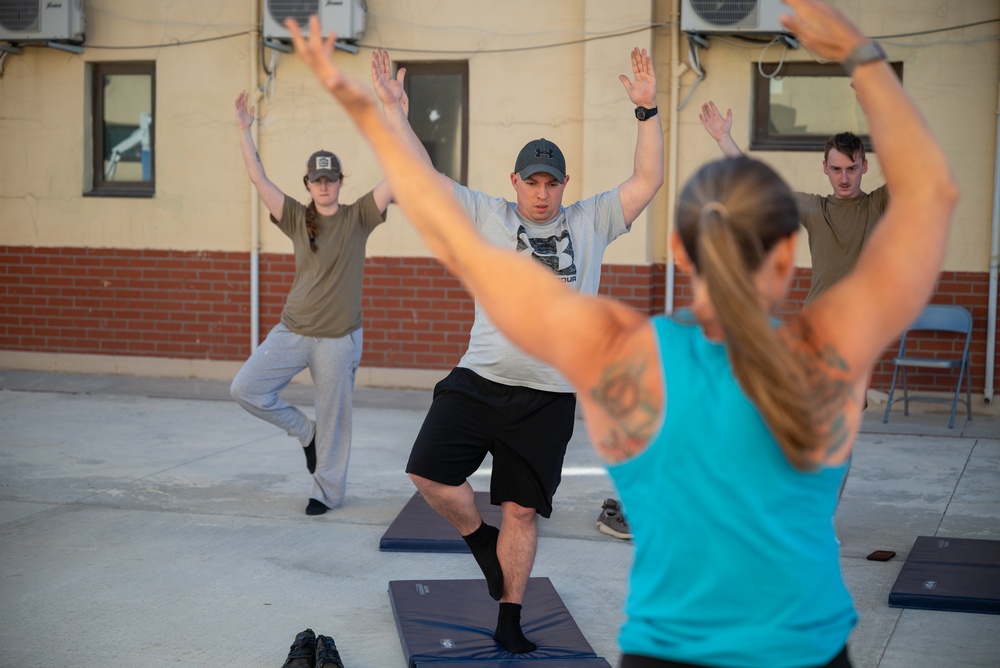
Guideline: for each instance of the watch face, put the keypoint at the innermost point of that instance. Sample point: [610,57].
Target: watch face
[642,113]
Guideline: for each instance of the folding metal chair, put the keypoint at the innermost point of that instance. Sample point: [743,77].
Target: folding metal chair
[935,318]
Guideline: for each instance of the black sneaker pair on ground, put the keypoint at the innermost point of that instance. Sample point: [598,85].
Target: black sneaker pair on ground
[312,651]
[612,522]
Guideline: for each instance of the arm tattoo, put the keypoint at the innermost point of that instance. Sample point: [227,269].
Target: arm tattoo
[633,416]
[256,155]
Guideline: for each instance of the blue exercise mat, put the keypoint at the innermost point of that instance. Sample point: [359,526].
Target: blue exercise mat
[957,574]
[451,623]
[521,663]
[418,528]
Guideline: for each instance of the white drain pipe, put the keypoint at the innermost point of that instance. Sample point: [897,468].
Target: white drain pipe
[675,86]
[991,323]
[254,199]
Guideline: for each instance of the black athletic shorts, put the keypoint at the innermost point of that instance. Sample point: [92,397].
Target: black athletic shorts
[526,431]
[634,661]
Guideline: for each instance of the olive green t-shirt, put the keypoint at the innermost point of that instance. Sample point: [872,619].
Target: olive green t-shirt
[325,298]
[838,229]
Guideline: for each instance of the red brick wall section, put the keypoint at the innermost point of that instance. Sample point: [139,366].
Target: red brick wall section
[120,302]
[417,315]
[195,305]
[967,289]
[640,286]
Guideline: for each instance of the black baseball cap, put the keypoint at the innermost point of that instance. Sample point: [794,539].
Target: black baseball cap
[540,155]
[323,163]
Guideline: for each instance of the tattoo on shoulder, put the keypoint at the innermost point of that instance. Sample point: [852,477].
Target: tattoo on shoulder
[620,392]
[828,376]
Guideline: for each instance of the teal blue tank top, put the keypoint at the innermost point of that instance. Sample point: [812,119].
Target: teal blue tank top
[736,561]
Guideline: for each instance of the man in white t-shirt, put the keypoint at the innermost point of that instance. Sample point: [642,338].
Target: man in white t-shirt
[498,400]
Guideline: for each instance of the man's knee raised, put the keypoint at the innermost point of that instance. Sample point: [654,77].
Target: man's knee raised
[517,512]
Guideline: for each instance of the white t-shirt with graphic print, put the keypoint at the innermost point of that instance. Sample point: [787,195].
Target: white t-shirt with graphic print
[571,245]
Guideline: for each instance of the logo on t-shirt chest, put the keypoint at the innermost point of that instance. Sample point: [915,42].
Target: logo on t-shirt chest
[555,252]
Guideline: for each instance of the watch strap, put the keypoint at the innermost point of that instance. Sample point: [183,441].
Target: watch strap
[644,113]
[866,52]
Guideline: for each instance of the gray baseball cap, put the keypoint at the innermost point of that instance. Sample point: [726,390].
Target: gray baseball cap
[540,155]
[323,163]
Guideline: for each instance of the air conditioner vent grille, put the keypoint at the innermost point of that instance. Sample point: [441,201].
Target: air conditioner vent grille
[19,15]
[726,13]
[300,10]
[346,18]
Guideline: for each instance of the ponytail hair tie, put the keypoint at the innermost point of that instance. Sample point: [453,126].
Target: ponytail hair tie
[718,207]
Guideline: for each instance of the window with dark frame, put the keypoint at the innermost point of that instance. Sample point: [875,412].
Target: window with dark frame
[805,105]
[438,92]
[123,103]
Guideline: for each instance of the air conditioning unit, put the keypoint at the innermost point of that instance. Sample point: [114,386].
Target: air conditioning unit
[41,20]
[732,16]
[346,18]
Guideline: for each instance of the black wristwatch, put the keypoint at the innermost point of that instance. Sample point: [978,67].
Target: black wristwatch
[867,52]
[642,113]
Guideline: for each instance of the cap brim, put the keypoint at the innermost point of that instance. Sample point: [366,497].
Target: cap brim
[320,173]
[535,169]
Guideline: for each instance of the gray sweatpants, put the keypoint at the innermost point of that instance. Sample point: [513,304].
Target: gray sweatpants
[333,364]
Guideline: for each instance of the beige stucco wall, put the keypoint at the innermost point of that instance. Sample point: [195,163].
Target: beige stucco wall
[568,93]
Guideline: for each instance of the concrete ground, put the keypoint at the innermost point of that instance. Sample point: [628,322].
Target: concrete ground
[152,522]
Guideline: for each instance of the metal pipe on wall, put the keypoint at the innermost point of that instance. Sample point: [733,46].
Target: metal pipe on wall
[991,322]
[675,85]
[254,199]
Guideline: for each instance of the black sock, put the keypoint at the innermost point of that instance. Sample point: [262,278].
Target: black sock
[483,543]
[311,455]
[509,632]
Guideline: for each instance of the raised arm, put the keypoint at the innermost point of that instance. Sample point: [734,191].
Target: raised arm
[270,194]
[719,127]
[647,171]
[899,266]
[604,348]
[395,105]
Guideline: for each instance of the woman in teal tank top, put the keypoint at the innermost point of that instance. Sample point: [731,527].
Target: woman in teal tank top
[726,432]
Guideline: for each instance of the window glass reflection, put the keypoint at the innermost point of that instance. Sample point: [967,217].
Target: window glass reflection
[127,125]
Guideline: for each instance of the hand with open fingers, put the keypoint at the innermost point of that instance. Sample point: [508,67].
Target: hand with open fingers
[244,115]
[388,89]
[641,88]
[717,125]
[822,29]
[317,53]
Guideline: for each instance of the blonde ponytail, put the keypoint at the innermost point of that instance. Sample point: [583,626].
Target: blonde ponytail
[731,214]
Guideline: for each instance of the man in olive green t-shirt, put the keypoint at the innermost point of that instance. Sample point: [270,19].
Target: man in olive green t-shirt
[838,224]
